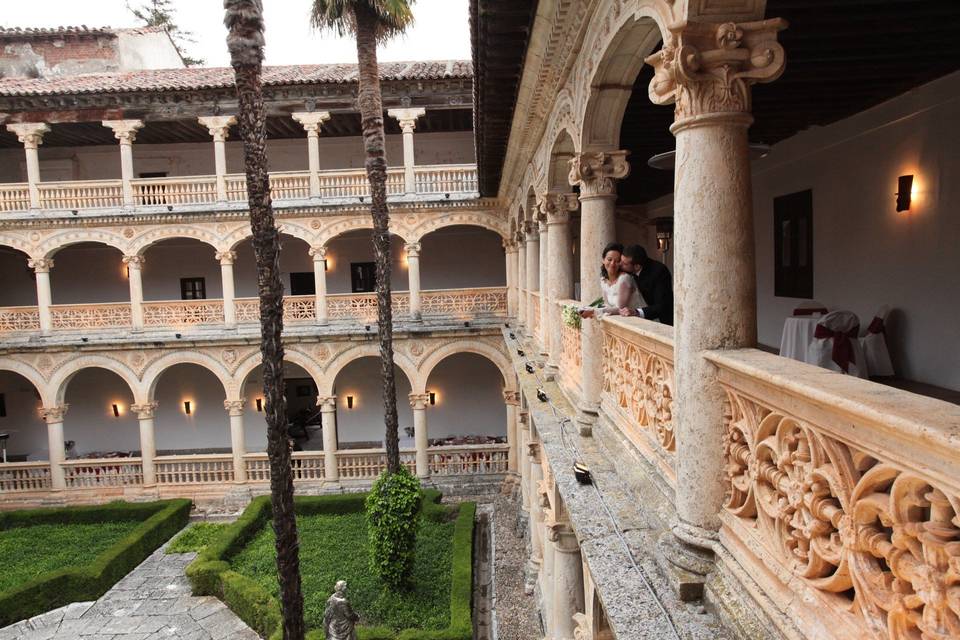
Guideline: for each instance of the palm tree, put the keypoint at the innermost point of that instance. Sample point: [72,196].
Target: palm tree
[370,22]
[244,22]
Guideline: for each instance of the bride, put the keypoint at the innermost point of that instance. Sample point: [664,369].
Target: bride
[619,288]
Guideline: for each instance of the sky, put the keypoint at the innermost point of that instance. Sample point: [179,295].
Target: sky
[441,30]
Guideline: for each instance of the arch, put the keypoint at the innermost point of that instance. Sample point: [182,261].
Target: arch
[17,242]
[489,352]
[156,369]
[235,237]
[61,378]
[146,240]
[58,241]
[345,225]
[32,376]
[254,360]
[531,208]
[482,220]
[562,151]
[367,350]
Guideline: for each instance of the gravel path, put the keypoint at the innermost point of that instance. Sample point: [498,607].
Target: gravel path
[515,612]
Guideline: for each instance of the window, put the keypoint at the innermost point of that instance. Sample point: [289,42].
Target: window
[793,245]
[3,406]
[363,276]
[302,284]
[193,289]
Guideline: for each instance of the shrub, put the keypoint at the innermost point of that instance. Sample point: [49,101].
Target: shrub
[392,507]
[196,537]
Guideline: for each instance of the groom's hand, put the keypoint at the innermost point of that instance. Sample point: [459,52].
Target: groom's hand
[626,312]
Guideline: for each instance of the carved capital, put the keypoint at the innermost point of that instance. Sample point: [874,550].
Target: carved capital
[311,120]
[413,249]
[318,252]
[707,68]
[134,262]
[233,407]
[30,134]
[562,535]
[419,400]
[509,245]
[225,257]
[124,130]
[327,403]
[511,397]
[407,118]
[533,450]
[145,411]
[54,414]
[556,206]
[40,265]
[532,230]
[596,171]
[218,126]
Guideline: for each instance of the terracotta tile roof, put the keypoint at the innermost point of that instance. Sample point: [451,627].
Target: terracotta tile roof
[216,77]
[16,33]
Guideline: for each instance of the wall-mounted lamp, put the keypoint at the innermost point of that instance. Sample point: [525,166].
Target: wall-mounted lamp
[904,192]
[433,397]
[664,228]
[116,410]
[259,405]
[326,264]
[186,407]
[349,402]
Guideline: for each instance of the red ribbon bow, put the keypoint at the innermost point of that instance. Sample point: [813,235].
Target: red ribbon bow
[877,326]
[842,344]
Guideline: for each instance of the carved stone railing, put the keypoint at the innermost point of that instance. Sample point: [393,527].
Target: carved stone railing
[194,469]
[366,464]
[638,386]
[305,465]
[464,303]
[468,459]
[24,476]
[177,313]
[571,355]
[844,494]
[108,315]
[19,319]
[102,472]
[433,182]
[363,306]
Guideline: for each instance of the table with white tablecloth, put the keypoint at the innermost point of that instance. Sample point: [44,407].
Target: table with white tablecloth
[798,335]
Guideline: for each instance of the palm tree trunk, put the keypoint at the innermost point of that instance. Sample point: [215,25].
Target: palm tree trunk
[371,115]
[245,22]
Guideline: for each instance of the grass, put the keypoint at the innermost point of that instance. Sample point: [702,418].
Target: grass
[334,547]
[29,552]
[195,537]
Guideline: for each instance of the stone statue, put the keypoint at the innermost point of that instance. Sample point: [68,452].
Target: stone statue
[339,619]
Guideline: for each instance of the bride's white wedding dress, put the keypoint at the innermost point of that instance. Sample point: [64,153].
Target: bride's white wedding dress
[621,293]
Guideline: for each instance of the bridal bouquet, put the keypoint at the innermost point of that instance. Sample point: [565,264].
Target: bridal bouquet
[571,314]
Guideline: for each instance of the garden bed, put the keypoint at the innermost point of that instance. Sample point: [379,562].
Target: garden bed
[52,557]
[239,566]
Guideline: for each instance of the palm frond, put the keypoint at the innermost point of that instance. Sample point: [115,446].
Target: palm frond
[392,16]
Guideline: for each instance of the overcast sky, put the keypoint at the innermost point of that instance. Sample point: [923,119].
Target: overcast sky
[441,30]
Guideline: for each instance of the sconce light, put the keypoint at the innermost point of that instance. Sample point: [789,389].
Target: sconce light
[259,405]
[326,264]
[349,402]
[186,407]
[664,227]
[116,411]
[904,192]
[433,397]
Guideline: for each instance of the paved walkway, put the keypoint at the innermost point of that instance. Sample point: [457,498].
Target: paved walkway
[153,602]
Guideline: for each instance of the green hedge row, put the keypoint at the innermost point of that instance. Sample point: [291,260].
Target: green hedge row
[210,573]
[161,520]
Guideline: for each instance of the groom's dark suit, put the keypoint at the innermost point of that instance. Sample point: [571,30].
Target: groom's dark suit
[656,287]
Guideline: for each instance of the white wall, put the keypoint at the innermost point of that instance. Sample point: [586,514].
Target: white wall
[27,430]
[462,257]
[146,50]
[90,422]
[469,392]
[18,286]
[361,379]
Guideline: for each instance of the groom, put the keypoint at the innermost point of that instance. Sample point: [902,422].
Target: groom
[654,282]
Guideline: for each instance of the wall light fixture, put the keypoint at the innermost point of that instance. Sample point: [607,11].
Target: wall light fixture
[349,402]
[433,397]
[186,407]
[260,405]
[904,192]
[116,410]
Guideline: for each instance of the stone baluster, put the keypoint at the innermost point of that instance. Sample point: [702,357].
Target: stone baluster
[521,280]
[706,70]
[312,121]
[546,299]
[226,260]
[413,276]
[238,444]
[408,121]
[41,267]
[30,135]
[146,413]
[126,132]
[135,277]
[512,400]
[328,414]
[219,128]
[54,419]
[557,208]
[419,402]
[319,255]
[595,173]
[510,257]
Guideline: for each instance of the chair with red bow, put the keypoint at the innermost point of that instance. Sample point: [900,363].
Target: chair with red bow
[836,344]
[874,344]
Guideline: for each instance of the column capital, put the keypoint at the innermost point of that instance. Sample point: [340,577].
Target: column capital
[225,257]
[419,400]
[412,249]
[318,252]
[54,414]
[327,403]
[124,130]
[407,117]
[218,126]
[531,230]
[30,134]
[533,450]
[311,120]
[706,69]
[511,397]
[145,411]
[40,265]
[596,171]
[233,407]
[562,534]
[134,262]
[556,206]
[509,245]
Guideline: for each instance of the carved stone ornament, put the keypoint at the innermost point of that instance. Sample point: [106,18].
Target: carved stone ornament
[557,206]
[233,407]
[30,134]
[419,400]
[124,130]
[327,403]
[413,249]
[135,262]
[40,265]
[596,171]
[54,414]
[218,126]
[511,397]
[228,356]
[145,411]
[318,252]
[225,257]
[708,68]
[339,618]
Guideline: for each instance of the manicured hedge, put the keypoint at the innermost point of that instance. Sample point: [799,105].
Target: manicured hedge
[210,573]
[161,520]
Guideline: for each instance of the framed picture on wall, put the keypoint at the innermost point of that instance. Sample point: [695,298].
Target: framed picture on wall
[793,245]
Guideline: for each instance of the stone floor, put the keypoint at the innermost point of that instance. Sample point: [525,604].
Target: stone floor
[153,602]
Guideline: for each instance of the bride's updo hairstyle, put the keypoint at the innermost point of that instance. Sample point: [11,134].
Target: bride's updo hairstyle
[613,246]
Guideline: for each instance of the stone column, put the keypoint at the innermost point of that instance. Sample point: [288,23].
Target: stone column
[413,277]
[707,71]
[219,128]
[148,444]
[567,591]
[521,280]
[510,257]
[546,300]
[126,132]
[41,267]
[134,276]
[419,401]
[54,419]
[312,121]
[548,555]
[536,508]
[238,444]
[30,135]
[533,275]
[319,255]
[557,208]
[512,399]
[408,121]
[595,173]
[226,259]
[328,412]
[523,459]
